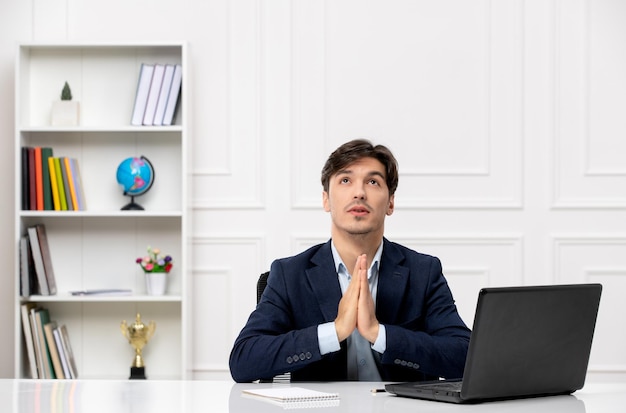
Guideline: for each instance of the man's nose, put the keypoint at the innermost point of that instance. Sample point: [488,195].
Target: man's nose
[359,191]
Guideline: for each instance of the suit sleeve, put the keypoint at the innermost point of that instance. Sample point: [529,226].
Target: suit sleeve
[431,338]
[271,343]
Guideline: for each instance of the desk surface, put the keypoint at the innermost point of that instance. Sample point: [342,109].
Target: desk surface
[94,396]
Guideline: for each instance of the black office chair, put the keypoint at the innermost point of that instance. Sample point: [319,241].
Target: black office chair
[260,287]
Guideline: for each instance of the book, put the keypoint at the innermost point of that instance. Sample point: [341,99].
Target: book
[66,185]
[26,267]
[42,317]
[168,76]
[36,343]
[173,97]
[53,185]
[70,181]
[32,180]
[141,95]
[103,291]
[60,187]
[46,153]
[78,184]
[292,394]
[25,179]
[153,95]
[38,261]
[47,258]
[58,340]
[28,338]
[67,349]
[38,179]
[52,348]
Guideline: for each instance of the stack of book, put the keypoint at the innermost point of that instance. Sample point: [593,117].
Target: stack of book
[157,96]
[50,183]
[48,345]
[36,272]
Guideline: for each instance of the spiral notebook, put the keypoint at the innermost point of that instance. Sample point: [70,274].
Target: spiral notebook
[293,396]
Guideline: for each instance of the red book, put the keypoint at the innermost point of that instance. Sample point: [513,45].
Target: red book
[38,178]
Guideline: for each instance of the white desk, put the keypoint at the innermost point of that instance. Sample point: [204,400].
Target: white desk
[95,396]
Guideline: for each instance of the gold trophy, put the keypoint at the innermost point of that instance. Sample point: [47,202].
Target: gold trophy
[138,335]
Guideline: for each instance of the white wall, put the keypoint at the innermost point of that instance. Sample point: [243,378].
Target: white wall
[506,117]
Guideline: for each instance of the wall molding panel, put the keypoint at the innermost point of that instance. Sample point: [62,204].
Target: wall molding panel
[598,258]
[589,99]
[484,170]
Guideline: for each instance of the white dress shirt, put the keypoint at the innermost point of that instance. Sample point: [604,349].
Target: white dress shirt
[361,365]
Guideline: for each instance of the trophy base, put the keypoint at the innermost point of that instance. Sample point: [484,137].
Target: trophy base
[137,373]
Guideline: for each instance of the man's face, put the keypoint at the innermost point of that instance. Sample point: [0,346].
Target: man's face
[358,198]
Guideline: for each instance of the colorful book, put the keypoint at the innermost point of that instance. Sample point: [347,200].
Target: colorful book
[71,183]
[46,153]
[38,179]
[78,185]
[60,187]
[66,185]
[25,179]
[56,202]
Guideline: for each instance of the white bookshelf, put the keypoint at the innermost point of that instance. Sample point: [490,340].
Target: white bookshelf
[97,247]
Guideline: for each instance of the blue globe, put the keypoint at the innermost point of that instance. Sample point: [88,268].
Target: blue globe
[136,176]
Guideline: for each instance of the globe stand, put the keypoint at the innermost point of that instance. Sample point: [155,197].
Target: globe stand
[136,175]
[132,205]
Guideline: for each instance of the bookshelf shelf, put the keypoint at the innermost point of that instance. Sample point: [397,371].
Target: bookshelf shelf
[96,247]
[68,298]
[113,129]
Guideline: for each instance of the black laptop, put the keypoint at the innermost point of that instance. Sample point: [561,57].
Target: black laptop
[526,342]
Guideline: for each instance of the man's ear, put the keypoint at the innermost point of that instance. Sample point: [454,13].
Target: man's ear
[391,206]
[325,201]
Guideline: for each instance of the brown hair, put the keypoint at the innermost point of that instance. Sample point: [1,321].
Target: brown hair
[357,149]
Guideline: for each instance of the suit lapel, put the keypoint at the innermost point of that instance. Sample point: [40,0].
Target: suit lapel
[392,280]
[322,277]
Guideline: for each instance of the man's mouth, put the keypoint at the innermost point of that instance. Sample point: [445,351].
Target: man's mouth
[358,210]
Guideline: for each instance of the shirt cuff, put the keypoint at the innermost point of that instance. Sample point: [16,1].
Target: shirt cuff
[327,338]
[380,345]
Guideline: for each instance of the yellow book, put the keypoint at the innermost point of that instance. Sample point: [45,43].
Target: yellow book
[53,184]
[70,182]
[60,186]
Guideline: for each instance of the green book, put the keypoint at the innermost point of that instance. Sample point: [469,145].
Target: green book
[45,173]
[42,317]
[60,186]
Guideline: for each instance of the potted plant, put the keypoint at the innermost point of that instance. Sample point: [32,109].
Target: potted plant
[65,112]
[156,267]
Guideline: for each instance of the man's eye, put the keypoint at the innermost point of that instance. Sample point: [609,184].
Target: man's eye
[345,180]
[373,182]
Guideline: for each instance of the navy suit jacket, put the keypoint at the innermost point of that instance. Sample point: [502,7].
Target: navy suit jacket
[426,338]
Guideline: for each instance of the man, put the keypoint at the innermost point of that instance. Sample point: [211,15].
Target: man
[358,307]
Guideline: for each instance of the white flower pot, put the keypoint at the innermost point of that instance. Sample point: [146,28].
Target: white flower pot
[65,113]
[156,283]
